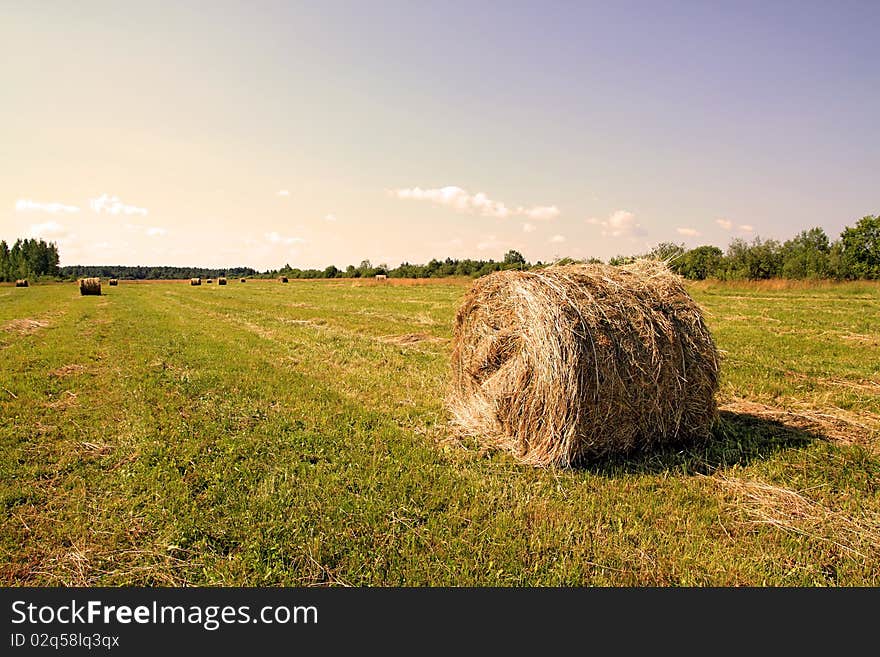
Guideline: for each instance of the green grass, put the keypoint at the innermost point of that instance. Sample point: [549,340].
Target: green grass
[268,434]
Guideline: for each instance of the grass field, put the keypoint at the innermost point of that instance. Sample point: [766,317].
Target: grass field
[269,434]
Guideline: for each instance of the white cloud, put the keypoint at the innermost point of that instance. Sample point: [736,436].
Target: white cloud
[113,205]
[528,228]
[689,232]
[276,238]
[330,217]
[27,205]
[557,239]
[156,231]
[620,223]
[746,228]
[724,223]
[488,243]
[48,230]
[463,201]
[542,212]
[283,192]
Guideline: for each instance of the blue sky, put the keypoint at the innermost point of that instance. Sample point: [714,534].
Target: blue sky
[317,133]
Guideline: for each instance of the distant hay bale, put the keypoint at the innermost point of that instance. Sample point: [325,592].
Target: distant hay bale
[283,279]
[242,280]
[381,277]
[113,282]
[22,282]
[195,281]
[209,281]
[221,281]
[89,286]
[575,362]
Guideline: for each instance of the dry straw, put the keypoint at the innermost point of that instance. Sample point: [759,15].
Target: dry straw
[88,286]
[195,281]
[575,362]
[113,282]
[221,281]
[22,282]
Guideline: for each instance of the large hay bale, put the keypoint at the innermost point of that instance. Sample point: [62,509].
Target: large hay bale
[574,362]
[89,286]
[283,279]
[22,282]
[195,281]
[113,282]
[221,281]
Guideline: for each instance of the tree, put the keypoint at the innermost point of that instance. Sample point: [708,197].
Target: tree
[700,263]
[806,255]
[331,272]
[514,258]
[860,248]
[668,251]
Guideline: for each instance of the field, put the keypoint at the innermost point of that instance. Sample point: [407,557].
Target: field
[269,434]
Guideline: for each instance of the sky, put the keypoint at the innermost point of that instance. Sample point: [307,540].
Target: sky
[269,133]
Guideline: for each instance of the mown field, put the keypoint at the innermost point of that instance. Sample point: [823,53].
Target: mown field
[268,434]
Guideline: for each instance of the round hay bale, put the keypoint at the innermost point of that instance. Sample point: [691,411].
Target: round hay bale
[571,363]
[22,282]
[242,280]
[221,281]
[209,281]
[88,286]
[195,281]
[113,282]
[283,279]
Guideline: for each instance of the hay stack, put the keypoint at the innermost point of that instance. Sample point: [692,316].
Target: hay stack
[221,281]
[575,362]
[22,282]
[209,281]
[113,282]
[195,281]
[89,286]
[283,279]
[381,277]
[242,280]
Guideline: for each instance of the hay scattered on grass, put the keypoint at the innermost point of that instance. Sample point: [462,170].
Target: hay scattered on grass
[410,338]
[576,362]
[90,286]
[22,282]
[24,326]
[195,281]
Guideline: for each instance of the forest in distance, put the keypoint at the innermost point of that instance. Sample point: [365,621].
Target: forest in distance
[811,254]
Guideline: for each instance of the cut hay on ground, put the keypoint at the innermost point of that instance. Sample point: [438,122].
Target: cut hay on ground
[574,362]
[195,281]
[283,279]
[113,282]
[89,286]
[221,281]
[21,282]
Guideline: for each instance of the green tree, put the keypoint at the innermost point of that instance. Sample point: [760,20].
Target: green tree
[514,258]
[806,255]
[700,263]
[860,248]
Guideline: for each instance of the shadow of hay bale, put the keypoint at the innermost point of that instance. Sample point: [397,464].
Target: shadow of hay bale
[737,439]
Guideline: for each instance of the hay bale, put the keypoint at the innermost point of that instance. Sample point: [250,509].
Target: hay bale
[242,280]
[283,279]
[113,282]
[209,281]
[575,362]
[89,286]
[221,281]
[195,281]
[381,277]
[22,282]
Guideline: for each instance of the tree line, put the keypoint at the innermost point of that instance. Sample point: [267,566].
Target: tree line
[810,254]
[28,258]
